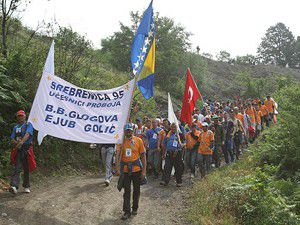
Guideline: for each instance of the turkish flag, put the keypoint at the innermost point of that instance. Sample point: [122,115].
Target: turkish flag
[191,95]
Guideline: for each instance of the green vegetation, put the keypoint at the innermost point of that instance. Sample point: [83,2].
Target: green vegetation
[263,187]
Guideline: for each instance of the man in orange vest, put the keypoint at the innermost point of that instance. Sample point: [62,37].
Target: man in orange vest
[265,114]
[191,148]
[131,163]
[206,140]
[270,104]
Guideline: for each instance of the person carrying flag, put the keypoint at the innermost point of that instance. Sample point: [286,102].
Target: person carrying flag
[173,157]
[131,162]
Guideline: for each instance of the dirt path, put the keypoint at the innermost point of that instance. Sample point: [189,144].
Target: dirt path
[86,201]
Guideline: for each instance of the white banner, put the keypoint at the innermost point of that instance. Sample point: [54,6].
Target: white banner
[62,110]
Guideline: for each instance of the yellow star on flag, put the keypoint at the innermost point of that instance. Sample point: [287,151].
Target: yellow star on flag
[49,77]
[34,120]
[126,87]
[116,136]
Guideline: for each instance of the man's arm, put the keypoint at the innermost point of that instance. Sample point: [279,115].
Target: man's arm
[144,163]
[23,140]
[160,139]
[118,159]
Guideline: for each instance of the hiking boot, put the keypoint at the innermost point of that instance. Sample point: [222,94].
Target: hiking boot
[125,216]
[107,182]
[179,185]
[134,212]
[13,190]
[26,190]
[163,183]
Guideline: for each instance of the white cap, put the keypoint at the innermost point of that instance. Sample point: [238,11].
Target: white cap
[93,146]
[205,124]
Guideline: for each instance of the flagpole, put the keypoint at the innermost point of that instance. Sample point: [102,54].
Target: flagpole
[119,154]
[132,95]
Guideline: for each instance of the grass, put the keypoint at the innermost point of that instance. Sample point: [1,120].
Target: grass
[204,196]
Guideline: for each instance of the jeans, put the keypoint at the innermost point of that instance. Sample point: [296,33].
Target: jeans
[154,159]
[22,164]
[228,148]
[135,178]
[107,154]
[190,160]
[204,162]
[173,159]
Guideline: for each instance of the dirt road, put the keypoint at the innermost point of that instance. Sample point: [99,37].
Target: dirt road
[86,201]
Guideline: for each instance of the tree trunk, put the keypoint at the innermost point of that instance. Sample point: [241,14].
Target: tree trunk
[4,37]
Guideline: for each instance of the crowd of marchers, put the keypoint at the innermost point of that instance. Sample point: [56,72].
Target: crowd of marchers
[154,146]
[219,133]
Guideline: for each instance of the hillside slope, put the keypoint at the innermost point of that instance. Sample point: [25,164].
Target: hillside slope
[219,81]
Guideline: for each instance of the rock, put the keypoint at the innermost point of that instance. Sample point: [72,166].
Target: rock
[4,214]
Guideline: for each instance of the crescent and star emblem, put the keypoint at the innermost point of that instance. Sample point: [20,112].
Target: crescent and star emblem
[190,94]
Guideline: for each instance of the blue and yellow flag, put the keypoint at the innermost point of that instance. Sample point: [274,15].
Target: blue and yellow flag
[143,53]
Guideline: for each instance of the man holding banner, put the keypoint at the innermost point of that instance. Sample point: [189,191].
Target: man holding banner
[22,154]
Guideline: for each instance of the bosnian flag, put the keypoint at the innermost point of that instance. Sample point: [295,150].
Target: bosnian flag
[143,53]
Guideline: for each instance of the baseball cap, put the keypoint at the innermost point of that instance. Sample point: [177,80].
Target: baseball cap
[128,126]
[205,124]
[21,113]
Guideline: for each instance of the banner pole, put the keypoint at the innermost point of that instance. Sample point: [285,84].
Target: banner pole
[132,94]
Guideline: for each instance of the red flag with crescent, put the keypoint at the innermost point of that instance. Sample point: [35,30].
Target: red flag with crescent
[191,95]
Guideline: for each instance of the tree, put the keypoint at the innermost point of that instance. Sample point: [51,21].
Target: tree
[72,52]
[172,43]
[8,7]
[207,55]
[247,59]
[297,52]
[277,46]
[117,48]
[224,56]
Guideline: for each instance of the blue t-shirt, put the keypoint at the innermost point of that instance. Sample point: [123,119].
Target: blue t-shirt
[172,143]
[20,130]
[152,136]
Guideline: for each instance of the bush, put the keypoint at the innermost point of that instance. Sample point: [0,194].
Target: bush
[257,201]
[262,188]
[280,145]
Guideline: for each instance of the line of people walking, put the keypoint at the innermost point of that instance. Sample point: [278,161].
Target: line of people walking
[158,147]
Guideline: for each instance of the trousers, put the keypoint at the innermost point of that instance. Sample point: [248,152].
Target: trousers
[22,164]
[173,159]
[107,154]
[135,179]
